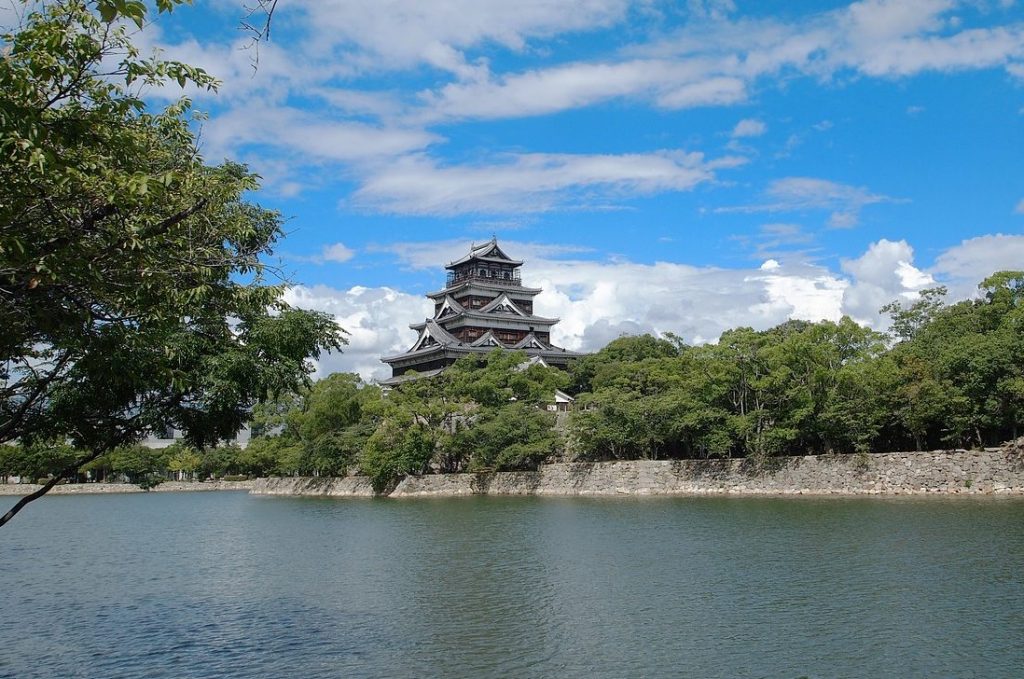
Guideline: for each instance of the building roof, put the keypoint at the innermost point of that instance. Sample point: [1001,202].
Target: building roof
[488,285]
[488,252]
[435,340]
[450,313]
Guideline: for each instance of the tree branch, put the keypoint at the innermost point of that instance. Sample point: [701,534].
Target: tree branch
[175,219]
[64,473]
[41,386]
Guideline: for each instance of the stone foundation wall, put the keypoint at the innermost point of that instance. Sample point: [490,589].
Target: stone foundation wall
[994,471]
[95,488]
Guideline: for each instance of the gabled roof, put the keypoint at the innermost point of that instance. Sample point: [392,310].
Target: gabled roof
[530,342]
[486,285]
[562,397]
[502,305]
[488,340]
[489,251]
[532,361]
[432,334]
[449,308]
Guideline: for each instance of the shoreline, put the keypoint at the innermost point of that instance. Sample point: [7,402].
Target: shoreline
[992,472]
[20,489]
[989,472]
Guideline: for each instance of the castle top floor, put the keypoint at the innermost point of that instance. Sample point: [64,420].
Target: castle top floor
[487,263]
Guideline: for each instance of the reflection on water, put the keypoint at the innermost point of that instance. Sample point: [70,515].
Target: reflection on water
[223,584]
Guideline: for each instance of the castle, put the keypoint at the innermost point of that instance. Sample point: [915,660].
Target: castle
[483,306]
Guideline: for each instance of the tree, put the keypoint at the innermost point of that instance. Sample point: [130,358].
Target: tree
[514,436]
[184,461]
[133,290]
[907,321]
[318,431]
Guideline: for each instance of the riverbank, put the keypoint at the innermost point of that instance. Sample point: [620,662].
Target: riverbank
[988,472]
[97,488]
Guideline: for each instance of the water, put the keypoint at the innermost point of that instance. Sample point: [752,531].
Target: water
[228,585]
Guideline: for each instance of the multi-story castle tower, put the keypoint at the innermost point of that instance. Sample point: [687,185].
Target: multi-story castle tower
[482,306]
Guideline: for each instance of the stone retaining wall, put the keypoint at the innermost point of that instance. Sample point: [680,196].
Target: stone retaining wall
[994,471]
[94,488]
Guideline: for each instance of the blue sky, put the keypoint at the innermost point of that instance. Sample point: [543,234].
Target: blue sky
[662,166]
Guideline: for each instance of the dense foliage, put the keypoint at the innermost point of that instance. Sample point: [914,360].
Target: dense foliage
[951,376]
[133,289]
[132,285]
[479,415]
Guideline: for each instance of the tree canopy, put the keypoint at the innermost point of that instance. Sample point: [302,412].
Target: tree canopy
[951,375]
[134,288]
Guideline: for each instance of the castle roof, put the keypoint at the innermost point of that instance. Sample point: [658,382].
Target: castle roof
[488,252]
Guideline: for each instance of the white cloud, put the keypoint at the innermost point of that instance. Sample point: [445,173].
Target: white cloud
[802,194]
[963,266]
[711,9]
[670,84]
[376,320]
[882,274]
[301,133]
[599,300]
[420,255]
[417,184]
[749,127]
[454,51]
[719,91]
[715,59]
[404,33]
[778,240]
[1020,207]
[337,252]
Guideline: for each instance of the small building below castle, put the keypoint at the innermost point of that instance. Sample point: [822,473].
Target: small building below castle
[483,306]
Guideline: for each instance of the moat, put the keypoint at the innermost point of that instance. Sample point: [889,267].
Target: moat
[228,584]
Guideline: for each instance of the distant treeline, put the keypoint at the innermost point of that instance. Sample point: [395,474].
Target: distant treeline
[946,376]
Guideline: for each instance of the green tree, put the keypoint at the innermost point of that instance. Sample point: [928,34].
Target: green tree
[183,460]
[908,320]
[500,377]
[513,436]
[133,293]
[626,349]
[39,459]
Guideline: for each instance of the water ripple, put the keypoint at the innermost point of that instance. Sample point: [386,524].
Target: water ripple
[224,585]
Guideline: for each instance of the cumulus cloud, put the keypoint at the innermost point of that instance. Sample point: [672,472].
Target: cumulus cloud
[600,300]
[749,127]
[881,275]
[376,320]
[964,265]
